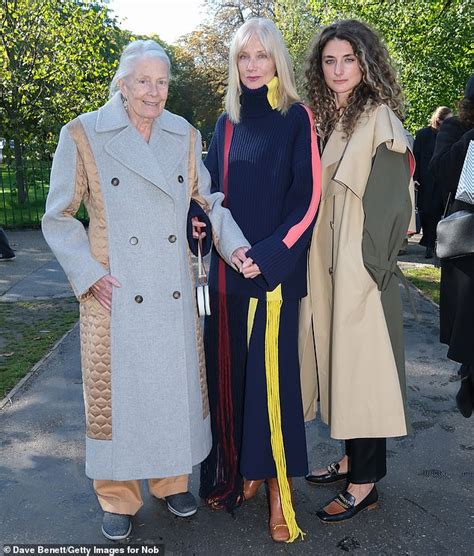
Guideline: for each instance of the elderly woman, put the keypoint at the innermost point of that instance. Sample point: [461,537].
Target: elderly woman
[138,170]
[351,326]
[261,157]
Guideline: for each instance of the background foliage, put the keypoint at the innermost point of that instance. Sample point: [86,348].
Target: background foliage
[57,57]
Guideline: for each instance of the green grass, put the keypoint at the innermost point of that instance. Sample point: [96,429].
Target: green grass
[27,331]
[425,279]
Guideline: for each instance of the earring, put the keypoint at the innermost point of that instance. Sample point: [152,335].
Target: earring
[125,102]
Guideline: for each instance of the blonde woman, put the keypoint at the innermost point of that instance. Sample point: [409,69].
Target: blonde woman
[261,158]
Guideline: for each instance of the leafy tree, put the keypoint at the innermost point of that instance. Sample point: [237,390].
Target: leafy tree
[57,59]
[430,42]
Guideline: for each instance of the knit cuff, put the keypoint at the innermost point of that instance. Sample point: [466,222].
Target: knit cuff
[270,255]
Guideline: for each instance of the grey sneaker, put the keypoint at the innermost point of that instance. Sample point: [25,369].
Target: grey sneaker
[116,527]
[182,504]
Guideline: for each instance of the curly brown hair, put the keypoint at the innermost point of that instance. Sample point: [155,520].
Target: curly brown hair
[378,84]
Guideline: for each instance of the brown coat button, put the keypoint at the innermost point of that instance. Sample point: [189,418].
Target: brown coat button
[180,179]
[176,295]
[330,270]
[133,240]
[171,238]
[115,181]
[138,298]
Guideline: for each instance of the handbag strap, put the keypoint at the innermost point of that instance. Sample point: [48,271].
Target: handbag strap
[448,204]
[202,274]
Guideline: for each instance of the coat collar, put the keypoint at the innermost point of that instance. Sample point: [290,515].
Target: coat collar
[113,116]
[157,160]
[354,157]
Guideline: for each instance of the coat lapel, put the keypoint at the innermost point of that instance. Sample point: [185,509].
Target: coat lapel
[155,161]
[354,158]
[330,159]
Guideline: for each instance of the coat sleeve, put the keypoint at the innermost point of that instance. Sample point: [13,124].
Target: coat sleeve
[387,209]
[277,254]
[66,235]
[226,234]
[448,157]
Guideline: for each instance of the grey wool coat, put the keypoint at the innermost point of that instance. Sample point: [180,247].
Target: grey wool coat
[143,365]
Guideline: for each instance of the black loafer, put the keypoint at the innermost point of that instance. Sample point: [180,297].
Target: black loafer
[332,476]
[347,501]
[182,504]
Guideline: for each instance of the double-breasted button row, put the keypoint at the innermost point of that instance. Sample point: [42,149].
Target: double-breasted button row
[115,181]
[139,298]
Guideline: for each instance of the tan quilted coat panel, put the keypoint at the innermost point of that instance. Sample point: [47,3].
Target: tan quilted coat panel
[95,321]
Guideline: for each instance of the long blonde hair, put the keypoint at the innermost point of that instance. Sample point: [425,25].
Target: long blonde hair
[270,37]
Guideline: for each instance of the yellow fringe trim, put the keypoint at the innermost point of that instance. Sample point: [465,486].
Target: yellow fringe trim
[274,302]
[272,95]
[251,317]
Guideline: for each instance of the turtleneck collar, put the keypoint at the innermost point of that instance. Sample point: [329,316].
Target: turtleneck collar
[258,102]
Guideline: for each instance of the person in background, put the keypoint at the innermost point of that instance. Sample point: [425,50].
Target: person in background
[429,199]
[261,156]
[6,252]
[138,170]
[456,308]
[351,328]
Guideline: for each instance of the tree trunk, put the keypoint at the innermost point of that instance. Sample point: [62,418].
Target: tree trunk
[19,173]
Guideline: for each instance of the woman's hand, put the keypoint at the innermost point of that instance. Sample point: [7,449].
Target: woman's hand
[238,257]
[250,269]
[102,290]
[198,228]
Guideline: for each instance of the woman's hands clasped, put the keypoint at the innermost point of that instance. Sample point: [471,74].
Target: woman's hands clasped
[245,264]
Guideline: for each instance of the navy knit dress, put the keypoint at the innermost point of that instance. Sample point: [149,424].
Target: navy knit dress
[271,197]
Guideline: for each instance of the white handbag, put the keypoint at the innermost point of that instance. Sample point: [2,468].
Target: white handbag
[202,288]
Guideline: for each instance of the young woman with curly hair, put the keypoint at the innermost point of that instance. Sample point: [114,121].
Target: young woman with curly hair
[351,330]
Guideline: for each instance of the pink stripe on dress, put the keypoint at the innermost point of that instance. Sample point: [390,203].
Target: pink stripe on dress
[296,231]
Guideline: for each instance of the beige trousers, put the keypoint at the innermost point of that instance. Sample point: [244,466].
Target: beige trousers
[124,497]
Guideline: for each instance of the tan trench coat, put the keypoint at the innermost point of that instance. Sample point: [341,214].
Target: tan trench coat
[345,351]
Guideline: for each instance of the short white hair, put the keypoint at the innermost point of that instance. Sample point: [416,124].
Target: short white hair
[132,53]
[272,40]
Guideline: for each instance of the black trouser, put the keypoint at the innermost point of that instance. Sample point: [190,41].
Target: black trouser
[367,459]
[5,248]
